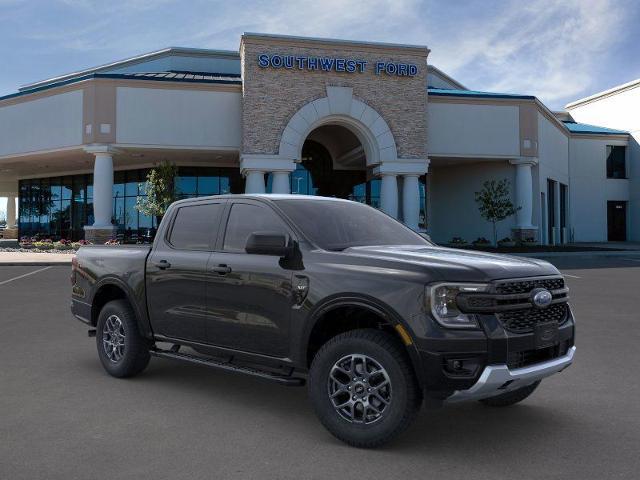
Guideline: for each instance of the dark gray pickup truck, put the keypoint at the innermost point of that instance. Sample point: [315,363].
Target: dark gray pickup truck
[335,294]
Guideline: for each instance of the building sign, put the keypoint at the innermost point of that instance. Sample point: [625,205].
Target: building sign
[334,64]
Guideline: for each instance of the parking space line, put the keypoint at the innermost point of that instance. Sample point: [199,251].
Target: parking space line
[572,276]
[25,275]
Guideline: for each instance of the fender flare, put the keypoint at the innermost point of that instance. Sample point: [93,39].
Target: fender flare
[142,317]
[374,306]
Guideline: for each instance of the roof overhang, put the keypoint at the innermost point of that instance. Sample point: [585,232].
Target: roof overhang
[145,57]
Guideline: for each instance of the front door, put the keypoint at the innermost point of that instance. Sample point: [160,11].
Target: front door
[249,296]
[177,272]
[617,221]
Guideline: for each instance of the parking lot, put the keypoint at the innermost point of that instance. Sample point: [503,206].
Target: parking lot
[62,416]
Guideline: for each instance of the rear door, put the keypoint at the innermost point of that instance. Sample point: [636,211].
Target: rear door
[177,271]
[249,296]
[617,221]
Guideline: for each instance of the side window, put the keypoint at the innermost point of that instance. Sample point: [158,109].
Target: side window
[616,167]
[245,219]
[195,227]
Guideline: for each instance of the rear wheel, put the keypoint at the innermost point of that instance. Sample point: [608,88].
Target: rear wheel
[511,398]
[123,352]
[363,388]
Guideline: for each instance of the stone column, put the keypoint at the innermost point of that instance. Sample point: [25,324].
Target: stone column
[254,182]
[389,194]
[254,165]
[281,182]
[102,228]
[411,200]
[410,170]
[524,198]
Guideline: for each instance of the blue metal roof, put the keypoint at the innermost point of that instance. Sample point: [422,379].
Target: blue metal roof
[444,92]
[575,127]
[188,77]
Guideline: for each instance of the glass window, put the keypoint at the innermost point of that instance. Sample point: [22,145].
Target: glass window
[208,185]
[245,219]
[186,186]
[195,227]
[131,184]
[616,167]
[118,184]
[336,225]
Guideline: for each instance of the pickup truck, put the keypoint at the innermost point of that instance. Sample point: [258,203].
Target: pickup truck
[372,316]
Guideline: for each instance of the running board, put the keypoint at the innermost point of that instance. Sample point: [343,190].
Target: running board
[230,367]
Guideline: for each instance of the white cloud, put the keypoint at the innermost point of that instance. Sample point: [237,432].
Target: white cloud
[548,48]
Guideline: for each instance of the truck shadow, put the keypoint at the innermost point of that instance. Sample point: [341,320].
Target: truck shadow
[469,428]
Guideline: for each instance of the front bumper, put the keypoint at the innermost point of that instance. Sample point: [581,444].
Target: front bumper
[498,379]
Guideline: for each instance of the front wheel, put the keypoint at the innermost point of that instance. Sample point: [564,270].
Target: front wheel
[122,350]
[363,388]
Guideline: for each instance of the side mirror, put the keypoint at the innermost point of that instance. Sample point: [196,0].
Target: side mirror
[269,243]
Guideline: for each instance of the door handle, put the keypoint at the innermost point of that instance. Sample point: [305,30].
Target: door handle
[222,269]
[162,264]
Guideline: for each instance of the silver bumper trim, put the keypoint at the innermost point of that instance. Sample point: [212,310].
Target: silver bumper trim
[497,379]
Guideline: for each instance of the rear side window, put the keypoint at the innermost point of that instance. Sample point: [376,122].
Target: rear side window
[245,219]
[196,226]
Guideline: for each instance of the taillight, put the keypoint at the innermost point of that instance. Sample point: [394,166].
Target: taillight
[74,269]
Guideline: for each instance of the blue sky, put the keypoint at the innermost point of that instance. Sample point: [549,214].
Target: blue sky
[557,50]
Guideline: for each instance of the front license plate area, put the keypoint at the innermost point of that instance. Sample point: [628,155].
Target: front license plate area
[546,334]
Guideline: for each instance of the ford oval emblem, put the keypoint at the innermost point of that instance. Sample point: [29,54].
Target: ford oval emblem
[541,297]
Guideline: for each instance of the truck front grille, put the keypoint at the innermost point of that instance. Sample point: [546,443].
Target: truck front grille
[523,321]
[525,286]
[512,304]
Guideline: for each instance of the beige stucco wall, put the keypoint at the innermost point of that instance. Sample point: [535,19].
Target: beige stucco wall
[45,123]
[178,117]
[461,129]
[272,96]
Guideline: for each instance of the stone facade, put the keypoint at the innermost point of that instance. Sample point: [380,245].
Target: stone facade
[272,96]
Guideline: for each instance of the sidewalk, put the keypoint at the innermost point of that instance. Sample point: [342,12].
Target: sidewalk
[28,259]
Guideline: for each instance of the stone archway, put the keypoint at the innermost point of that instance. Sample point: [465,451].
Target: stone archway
[339,107]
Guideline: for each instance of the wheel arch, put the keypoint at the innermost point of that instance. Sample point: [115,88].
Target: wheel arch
[112,288]
[330,313]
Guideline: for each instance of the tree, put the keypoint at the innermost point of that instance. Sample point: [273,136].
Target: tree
[494,203]
[159,189]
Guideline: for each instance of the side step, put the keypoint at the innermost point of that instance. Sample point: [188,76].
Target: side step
[230,367]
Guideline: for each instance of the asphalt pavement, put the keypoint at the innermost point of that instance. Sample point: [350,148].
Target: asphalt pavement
[63,417]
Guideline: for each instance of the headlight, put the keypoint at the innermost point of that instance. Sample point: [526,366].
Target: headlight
[444,308]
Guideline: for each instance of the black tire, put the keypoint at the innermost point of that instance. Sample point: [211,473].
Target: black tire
[404,395]
[134,356]
[511,398]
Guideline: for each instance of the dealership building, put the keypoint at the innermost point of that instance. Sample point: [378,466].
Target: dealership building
[372,122]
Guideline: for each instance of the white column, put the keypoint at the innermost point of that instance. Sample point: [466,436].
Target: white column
[389,194]
[254,182]
[103,189]
[524,193]
[11,212]
[411,201]
[280,183]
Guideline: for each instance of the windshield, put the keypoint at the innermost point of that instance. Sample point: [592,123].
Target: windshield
[336,225]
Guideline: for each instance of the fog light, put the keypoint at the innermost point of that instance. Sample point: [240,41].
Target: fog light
[461,367]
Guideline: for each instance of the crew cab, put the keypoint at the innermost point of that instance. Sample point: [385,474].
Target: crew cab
[334,294]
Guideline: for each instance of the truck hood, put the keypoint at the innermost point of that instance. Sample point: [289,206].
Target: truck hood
[452,264]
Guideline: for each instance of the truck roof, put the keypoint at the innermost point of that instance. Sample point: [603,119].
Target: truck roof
[265,196]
